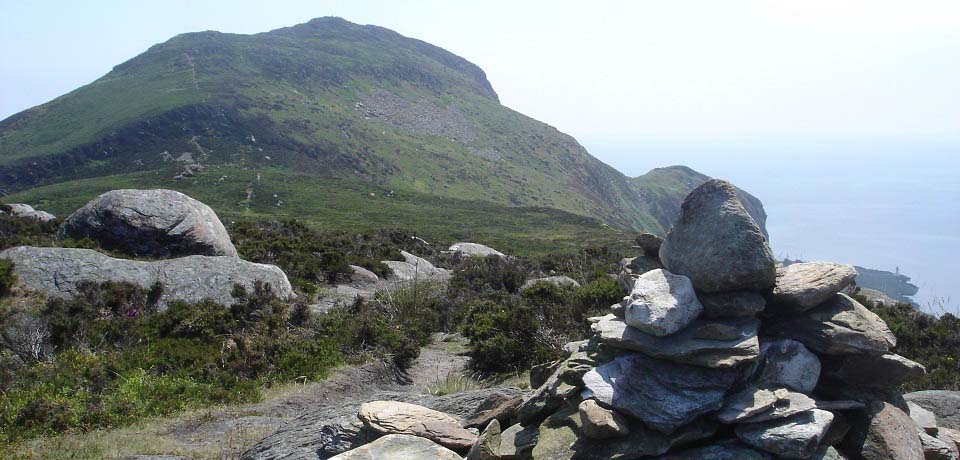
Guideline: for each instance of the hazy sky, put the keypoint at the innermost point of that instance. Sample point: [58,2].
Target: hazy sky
[617,70]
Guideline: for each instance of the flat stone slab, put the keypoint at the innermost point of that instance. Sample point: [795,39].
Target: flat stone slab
[839,326]
[710,343]
[399,447]
[391,417]
[796,437]
[805,285]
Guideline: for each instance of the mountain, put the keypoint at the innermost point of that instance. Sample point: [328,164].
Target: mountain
[662,190]
[275,122]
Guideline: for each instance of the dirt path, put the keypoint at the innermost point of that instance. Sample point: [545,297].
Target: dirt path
[223,433]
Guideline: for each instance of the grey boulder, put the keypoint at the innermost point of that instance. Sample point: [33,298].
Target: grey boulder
[796,437]
[649,243]
[883,432]
[399,447]
[27,211]
[707,343]
[839,326]
[474,250]
[717,244]
[802,286]
[945,404]
[926,420]
[662,394]
[415,268]
[936,448]
[154,223]
[58,272]
[558,281]
[661,303]
[787,363]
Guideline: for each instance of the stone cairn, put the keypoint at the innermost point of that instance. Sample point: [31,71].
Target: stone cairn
[716,354]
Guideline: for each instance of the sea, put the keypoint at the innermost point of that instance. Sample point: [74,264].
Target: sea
[892,206]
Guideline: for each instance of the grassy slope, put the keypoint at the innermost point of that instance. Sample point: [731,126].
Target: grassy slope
[295,90]
[347,204]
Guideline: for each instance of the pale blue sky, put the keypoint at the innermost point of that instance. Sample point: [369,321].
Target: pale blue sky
[616,70]
[843,116]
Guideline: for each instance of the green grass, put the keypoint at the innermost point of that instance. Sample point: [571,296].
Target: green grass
[344,204]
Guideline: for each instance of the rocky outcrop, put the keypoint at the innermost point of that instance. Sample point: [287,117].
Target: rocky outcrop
[152,223]
[474,250]
[717,244]
[57,272]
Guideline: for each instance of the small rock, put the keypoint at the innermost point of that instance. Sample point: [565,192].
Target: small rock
[732,304]
[723,451]
[802,286]
[688,346]
[925,419]
[517,441]
[474,250]
[935,448]
[839,326]
[787,405]
[399,447]
[787,363]
[488,445]
[390,417]
[717,244]
[662,303]
[746,403]
[497,406]
[600,423]
[632,267]
[796,437]
[649,243]
[558,281]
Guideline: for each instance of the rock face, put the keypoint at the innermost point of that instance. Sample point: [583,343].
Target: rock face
[944,404]
[662,303]
[153,223]
[664,395]
[796,437]
[802,286]
[708,343]
[884,432]
[787,363]
[57,272]
[717,244]
[838,326]
[474,250]
[390,417]
[399,447]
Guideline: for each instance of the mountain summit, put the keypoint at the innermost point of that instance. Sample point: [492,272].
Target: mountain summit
[323,100]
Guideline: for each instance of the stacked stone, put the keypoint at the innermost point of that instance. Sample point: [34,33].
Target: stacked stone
[720,354]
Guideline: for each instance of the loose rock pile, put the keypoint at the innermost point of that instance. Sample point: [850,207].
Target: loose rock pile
[720,354]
